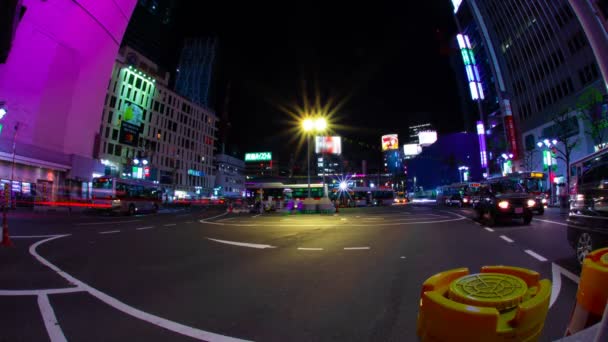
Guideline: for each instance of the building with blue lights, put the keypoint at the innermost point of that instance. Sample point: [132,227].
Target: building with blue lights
[195,69]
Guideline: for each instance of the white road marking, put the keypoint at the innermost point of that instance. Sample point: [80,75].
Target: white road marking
[256,215]
[226,219]
[554,222]
[115,303]
[309,249]
[535,255]
[144,228]
[355,248]
[556,284]
[568,274]
[50,321]
[212,217]
[489,229]
[242,244]
[402,257]
[31,236]
[506,239]
[100,223]
[39,292]
[169,224]
[343,219]
[110,232]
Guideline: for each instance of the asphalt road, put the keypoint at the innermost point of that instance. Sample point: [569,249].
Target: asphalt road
[209,275]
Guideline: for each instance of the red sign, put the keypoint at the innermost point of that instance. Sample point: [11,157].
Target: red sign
[147,171]
[511,135]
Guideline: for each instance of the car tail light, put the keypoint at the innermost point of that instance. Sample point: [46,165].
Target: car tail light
[503,205]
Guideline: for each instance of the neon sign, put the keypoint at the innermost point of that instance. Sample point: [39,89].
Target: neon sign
[258,156]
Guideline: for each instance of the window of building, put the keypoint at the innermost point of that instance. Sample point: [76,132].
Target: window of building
[107,132]
[114,134]
[131,79]
[110,149]
[118,150]
[138,83]
[113,101]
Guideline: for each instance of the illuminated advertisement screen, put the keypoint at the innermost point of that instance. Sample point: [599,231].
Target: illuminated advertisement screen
[129,134]
[427,138]
[131,113]
[411,149]
[258,156]
[390,142]
[328,145]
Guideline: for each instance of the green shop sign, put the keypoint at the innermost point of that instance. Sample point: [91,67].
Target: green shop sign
[258,156]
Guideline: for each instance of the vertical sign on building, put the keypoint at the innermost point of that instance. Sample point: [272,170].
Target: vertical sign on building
[510,126]
[481,134]
[470,66]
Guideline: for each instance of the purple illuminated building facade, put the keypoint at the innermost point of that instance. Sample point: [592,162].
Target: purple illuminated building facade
[53,83]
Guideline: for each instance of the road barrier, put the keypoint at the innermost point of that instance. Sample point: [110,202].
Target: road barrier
[501,303]
[592,292]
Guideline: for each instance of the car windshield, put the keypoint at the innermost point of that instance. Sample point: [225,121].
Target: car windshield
[507,187]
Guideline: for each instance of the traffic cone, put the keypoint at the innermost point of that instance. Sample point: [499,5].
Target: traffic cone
[592,292]
[6,239]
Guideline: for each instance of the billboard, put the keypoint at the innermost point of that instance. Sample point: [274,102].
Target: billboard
[258,156]
[390,142]
[411,149]
[328,145]
[129,134]
[427,138]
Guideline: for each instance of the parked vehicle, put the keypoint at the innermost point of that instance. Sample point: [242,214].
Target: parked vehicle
[503,199]
[588,218]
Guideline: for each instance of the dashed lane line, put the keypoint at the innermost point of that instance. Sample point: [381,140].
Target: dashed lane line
[355,248]
[144,228]
[554,222]
[50,320]
[129,310]
[489,229]
[242,244]
[309,249]
[110,232]
[535,255]
[504,237]
[101,223]
[169,224]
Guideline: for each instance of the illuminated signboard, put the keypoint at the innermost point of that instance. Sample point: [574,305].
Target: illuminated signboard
[470,66]
[537,175]
[258,156]
[390,142]
[328,145]
[195,173]
[411,149]
[456,4]
[481,134]
[427,138]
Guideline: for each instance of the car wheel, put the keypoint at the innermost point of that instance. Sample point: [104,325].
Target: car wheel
[131,209]
[584,246]
[527,219]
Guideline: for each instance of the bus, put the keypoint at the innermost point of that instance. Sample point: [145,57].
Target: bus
[277,195]
[383,196]
[459,194]
[128,196]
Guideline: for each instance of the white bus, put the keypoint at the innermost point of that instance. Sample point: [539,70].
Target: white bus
[128,196]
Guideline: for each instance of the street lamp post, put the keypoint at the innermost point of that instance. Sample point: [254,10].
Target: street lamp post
[545,145]
[309,126]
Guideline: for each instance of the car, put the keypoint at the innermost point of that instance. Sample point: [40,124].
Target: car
[501,200]
[588,217]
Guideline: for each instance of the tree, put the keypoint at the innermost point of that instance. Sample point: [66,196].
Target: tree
[590,108]
[564,131]
[527,160]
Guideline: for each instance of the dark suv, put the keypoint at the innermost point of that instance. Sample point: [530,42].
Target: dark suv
[588,219]
[503,199]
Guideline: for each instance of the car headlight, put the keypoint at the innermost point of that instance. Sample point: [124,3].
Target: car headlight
[465,200]
[503,204]
[531,203]
[544,200]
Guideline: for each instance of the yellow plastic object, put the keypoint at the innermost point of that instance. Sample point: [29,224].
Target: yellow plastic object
[501,303]
[592,291]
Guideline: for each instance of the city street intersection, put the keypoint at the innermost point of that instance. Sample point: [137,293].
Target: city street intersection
[211,275]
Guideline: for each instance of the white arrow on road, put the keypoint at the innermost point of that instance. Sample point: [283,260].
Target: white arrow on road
[242,244]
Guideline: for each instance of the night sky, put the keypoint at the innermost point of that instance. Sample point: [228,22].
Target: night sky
[383,60]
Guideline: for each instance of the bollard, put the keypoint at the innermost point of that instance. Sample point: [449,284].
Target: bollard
[501,303]
[592,292]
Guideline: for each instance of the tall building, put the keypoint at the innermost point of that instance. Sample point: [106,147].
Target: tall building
[143,120]
[539,63]
[195,69]
[414,130]
[230,178]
